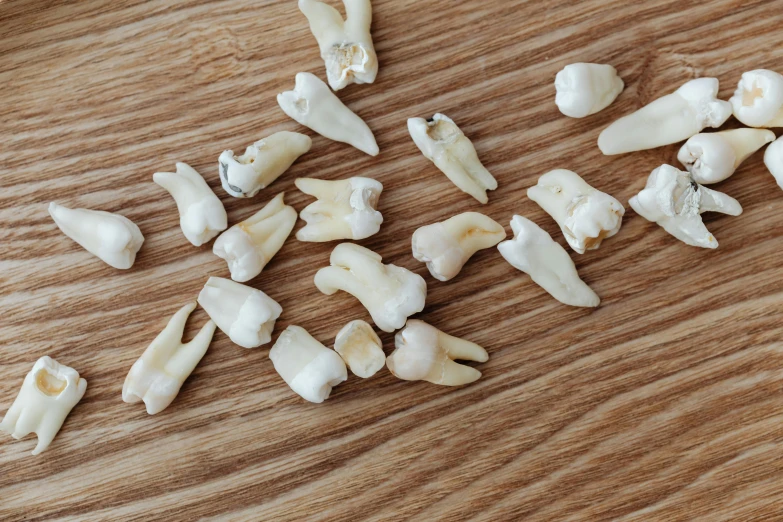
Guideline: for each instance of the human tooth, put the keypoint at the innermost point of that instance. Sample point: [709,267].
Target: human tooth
[674,201]
[360,348]
[115,239]
[713,157]
[758,100]
[49,393]
[201,214]
[248,246]
[586,88]
[672,118]
[443,143]
[307,366]
[534,252]
[448,245]
[312,104]
[389,292]
[245,314]
[773,159]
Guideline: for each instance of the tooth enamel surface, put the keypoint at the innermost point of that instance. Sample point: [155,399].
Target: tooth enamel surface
[672,118]
[534,252]
[158,374]
[113,238]
[586,88]
[312,104]
[715,156]
[245,314]
[308,367]
[360,348]
[773,159]
[758,100]
[49,393]
[390,293]
[443,143]
[448,245]
[674,201]
[248,246]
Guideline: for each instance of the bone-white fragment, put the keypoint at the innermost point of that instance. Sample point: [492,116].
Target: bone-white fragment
[586,88]
[345,209]
[758,100]
[713,157]
[773,159]
[361,348]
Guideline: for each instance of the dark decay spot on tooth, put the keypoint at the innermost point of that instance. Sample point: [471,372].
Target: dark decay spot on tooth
[430,120]
[224,177]
[695,186]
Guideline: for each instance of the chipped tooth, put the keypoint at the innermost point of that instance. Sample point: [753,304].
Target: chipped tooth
[361,349]
[586,88]
[773,159]
[758,100]
[715,156]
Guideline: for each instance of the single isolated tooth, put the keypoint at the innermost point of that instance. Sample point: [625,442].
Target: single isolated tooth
[674,201]
[49,393]
[773,159]
[389,292]
[312,104]
[115,239]
[361,349]
[534,252]
[586,88]
[448,245]
[758,100]
[245,314]
[715,156]
[672,118]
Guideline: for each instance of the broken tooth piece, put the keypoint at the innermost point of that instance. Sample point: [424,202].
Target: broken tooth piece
[773,159]
[758,100]
[715,156]
[586,88]
[361,349]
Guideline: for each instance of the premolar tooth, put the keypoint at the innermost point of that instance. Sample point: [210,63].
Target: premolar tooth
[758,100]
[361,349]
[713,157]
[773,159]
[586,88]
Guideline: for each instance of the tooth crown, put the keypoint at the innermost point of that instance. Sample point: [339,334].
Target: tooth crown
[714,157]
[586,88]
[758,100]
[360,348]
[773,159]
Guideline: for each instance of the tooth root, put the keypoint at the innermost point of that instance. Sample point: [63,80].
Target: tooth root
[454,374]
[745,142]
[773,159]
[586,88]
[461,349]
[758,100]
[714,201]
[360,348]
[690,230]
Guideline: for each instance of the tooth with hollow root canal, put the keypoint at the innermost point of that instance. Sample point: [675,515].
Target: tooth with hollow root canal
[758,100]
[773,159]
[713,157]
[586,88]
[361,348]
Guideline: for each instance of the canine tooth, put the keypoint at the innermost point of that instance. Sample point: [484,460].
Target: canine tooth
[49,392]
[758,100]
[361,348]
[245,314]
[586,88]
[113,238]
[389,292]
[312,104]
[773,159]
[534,252]
[715,156]
[672,118]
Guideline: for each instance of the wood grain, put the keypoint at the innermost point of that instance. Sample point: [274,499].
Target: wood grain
[662,404]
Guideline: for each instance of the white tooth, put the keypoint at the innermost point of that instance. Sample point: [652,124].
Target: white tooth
[248,246]
[346,46]
[713,157]
[758,100]
[586,88]
[534,252]
[307,366]
[586,216]
[115,239]
[245,314]
[443,143]
[390,293]
[158,374]
[672,118]
[49,393]
[448,245]
[773,159]
[424,353]
[312,104]
[674,201]
[201,214]
[360,348]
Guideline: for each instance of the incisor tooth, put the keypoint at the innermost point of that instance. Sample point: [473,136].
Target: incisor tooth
[715,156]
[758,100]
[773,159]
[361,349]
[586,88]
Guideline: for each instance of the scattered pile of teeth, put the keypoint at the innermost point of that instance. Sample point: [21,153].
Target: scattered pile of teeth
[346,210]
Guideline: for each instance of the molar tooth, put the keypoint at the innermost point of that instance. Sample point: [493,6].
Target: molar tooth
[586,88]
[758,100]
[361,349]
[715,156]
[773,159]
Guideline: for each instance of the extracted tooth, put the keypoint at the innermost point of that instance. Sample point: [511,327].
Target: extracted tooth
[534,252]
[248,246]
[758,100]
[443,143]
[713,157]
[773,159]
[674,201]
[245,314]
[448,245]
[586,88]
[672,118]
[586,216]
[307,366]
[389,292]
[361,348]
[115,239]
[201,213]
[158,374]
[49,393]
[312,104]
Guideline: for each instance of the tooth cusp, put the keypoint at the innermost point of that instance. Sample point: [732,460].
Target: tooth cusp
[758,100]
[586,88]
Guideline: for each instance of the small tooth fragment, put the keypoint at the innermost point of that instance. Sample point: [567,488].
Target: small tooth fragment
[448,245]
[586,88]
[245,314]
[361,349]
[201,213]
[312,104]
[113,238]
[715,156]
[773,159]
[534,252]
[49,393]
[758,100]
[443,143]
[158,374]
[672,118]
[389,292]
[345,209]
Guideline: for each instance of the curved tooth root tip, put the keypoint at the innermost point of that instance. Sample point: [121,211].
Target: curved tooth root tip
[586,88]
[713,157]
[758,100]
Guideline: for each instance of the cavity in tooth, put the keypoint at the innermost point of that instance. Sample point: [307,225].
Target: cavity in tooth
[672,118]
[448,245]
[713,157]
[201,214]
[586,88]
[113,238]
[312,104]
[443,143]
[773,159]
[758,100]
[674,201]
[248,246]
[390,293]
[49,393]
[245,314]
[534,252]
[360,348]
